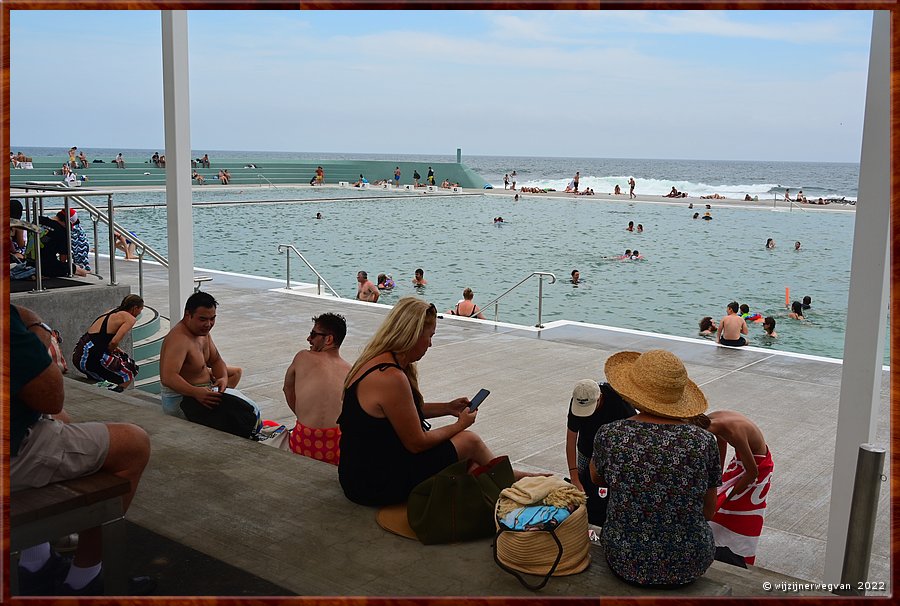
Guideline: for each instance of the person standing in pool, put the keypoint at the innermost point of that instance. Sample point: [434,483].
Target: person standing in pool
[732,327]
[512,177]
[631,187]
[506,181]
[365,290]
[416,177]
[575,180]
[419,279]
[397,177]
[430,176]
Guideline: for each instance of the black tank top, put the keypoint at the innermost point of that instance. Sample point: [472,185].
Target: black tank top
[101,339]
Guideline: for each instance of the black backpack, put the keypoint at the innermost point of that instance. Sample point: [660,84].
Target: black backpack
[233,415]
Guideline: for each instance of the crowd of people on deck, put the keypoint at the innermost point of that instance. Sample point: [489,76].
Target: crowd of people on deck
[371,421]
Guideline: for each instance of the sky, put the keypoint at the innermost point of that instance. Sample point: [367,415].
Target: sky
[729,85]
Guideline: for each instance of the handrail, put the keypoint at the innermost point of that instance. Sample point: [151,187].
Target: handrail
[96,215]
[267,180]
[319,279]
[540,275]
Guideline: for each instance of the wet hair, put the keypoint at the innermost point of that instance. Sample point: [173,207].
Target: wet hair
[635,253]
[769,241]
[199,299]
[575,271]
[420,272]
[745,309]
[628,252]
[15,209]
[363,274]
[769,324]
[797,244]
[399,333]
[733,306]
[382,278]
[706,323]
[630,223]
[334,324]
[696,215]
[130,302]
[468,294]
[797,308]
[640,226]
[807,300]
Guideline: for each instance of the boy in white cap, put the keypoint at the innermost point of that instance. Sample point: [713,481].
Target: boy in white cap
[592,405]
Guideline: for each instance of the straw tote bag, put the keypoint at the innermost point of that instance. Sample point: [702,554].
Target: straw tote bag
[561,551]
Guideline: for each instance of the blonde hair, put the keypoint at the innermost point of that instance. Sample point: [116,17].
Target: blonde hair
[398,333]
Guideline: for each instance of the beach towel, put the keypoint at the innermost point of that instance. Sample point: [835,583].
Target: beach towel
[738,522]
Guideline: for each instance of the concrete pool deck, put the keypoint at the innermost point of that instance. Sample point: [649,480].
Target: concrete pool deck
[793,398]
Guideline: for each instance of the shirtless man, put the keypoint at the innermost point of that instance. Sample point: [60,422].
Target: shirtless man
[631,187]
[189,362]
[732,327]
[314,387]
[365,290]
[745,482]
[419,279]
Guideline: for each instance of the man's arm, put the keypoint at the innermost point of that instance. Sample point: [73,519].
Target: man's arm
[217,364]
[373,293]
[744,329]
[44,393]
[572,457]
[751,471]
[290,378]
[720,330]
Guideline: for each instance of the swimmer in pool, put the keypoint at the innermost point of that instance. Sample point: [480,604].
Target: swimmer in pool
[318,215]
[640,228]
[769,327]
[696,216]
[770,243]
[636,255]
[708,326]
[385,282]
[419,279]
[630,226]
[576,276]
[796,311]
[627,254]
[797,245]
[807,302]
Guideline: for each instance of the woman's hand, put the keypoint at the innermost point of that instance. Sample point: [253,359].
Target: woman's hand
[466,418]
[455,407]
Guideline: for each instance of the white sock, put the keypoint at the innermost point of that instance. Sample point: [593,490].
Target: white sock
[79,577]
[33,559]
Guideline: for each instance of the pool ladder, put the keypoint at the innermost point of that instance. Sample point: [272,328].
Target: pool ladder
[319,279]
[540,275]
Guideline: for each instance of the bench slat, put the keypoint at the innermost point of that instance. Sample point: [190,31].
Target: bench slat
[36,503]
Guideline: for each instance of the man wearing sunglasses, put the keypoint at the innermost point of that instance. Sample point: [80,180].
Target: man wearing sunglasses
[313,388]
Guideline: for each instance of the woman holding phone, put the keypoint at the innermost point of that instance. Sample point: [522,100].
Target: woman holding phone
[387,445]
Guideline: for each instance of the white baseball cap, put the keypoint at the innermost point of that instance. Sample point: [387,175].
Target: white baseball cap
[585,397]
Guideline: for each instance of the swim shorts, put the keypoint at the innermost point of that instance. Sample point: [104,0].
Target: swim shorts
[740,341]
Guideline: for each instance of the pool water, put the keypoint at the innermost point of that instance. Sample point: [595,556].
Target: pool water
[692,268]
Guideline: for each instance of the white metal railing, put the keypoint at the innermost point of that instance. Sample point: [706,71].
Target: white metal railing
[319,279]
[36,209]
[540,275]
[262,176]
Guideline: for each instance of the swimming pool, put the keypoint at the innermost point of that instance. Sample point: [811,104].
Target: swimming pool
[692,268]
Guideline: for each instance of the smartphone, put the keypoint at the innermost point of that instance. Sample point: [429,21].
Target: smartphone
[475,402]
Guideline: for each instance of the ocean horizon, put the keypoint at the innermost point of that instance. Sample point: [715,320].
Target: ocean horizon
[730,178]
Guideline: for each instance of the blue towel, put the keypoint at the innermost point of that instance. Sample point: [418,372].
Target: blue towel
[535,517]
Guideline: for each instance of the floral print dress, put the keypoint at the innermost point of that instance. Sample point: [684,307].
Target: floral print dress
[658,475]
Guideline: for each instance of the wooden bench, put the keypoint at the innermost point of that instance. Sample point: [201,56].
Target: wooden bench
[39,515]
[198,280]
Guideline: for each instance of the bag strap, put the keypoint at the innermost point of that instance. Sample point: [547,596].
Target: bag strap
[515,573]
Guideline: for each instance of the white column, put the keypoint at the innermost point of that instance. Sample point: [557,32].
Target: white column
[867,304]
[176,103]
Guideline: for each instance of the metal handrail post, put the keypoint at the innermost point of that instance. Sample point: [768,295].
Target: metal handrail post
[496,311]
[112,241]
[96,221]
[861,528]
[318,285]
[540,299]
[288,257]
[141,272]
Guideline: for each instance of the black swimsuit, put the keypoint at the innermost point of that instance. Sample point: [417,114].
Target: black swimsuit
[375,468]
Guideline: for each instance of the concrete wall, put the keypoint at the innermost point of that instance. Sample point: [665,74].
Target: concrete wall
[71,310]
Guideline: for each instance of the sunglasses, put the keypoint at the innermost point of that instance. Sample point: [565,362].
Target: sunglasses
[313,334]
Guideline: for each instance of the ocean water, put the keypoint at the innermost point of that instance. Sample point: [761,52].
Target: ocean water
[692,268]
[732,179]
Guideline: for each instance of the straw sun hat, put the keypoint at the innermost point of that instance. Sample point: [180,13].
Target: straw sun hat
[655,382]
